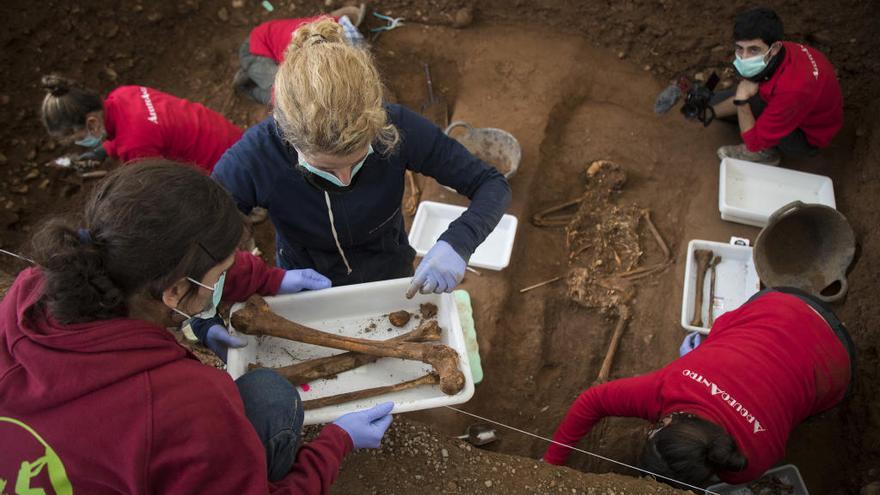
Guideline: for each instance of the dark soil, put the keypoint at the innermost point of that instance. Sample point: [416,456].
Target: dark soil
[574,82]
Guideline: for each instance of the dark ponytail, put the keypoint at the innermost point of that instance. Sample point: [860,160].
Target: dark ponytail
[66,105]
[146,226]
[692,450]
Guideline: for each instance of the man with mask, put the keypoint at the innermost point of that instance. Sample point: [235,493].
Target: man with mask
[788,100]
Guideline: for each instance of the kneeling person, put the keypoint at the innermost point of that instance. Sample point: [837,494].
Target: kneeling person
[789,99]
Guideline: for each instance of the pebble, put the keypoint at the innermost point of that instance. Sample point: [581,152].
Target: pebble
[111,73]
[488,483]
[154,17]
[223,14]
[33,174]
[237,4]
[444,453]
[463,17]
[621,55]
[22,189]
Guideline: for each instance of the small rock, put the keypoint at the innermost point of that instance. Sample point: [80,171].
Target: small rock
[463,18]
[154,17]
[621,55]
[223,14]
[237,4]
[488,483]
[700,76]
[33,174]
[399,318]
[22,189]
[44,184]
[646,67]
[111,73]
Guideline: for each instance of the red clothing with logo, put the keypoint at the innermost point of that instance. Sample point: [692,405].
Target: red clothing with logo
[143,122]
[764,368]
[126,409]
[802,94]
[270,39]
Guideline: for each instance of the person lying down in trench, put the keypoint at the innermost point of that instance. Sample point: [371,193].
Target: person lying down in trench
[725,408]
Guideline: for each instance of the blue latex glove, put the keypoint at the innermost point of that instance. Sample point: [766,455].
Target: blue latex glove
[690,342]
[366,428]
[440,271]
[98,154]
[219,340]
[308,279]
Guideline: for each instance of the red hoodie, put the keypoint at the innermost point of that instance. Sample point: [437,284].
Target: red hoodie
[117,406]
[764,368]
[802,94]
[270,39]
[143,122]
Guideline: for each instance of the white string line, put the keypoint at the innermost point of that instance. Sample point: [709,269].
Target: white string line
[10,253]
[699,489]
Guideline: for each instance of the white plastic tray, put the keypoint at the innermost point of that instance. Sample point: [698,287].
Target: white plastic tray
[735,281]
[432,219]
[352,310]
[788,474]
[749,192]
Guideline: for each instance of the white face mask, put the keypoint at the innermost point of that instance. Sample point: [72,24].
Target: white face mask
[210,311]
[336,181]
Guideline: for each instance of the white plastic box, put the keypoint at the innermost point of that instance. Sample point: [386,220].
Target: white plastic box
[432,219]
[788,474]
[358,311]
[749,192]
[735,281]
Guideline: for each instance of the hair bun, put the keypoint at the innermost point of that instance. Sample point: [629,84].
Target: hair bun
[723,453]
[324,30]
[55,84]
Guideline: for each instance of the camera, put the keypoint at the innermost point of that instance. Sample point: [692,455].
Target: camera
[696,102]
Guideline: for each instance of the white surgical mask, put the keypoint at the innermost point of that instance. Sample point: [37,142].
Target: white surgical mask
[215,299]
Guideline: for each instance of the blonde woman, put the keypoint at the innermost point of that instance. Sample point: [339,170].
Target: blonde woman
[329,167]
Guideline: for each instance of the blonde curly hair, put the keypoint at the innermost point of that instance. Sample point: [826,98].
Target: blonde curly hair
[328,95]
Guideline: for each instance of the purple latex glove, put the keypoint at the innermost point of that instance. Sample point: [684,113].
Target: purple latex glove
[690,342]
[308,279]
[219,340]
[366,428]
[440,271]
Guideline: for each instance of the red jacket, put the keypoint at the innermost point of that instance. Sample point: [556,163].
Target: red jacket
[764,368]
[117,406]
[143,122]
[802,94]
[270,39]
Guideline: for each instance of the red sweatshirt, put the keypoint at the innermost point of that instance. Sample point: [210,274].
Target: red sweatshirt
[117,406]
[270,39]
[802,94]
[142,122]
[764,368]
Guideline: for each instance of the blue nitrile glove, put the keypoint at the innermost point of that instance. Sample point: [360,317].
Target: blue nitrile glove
[308,279]
[440,271]
[366,428]
[214,335]
[98,154]
[690,342]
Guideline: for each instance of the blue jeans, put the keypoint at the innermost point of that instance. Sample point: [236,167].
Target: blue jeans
[273,406]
